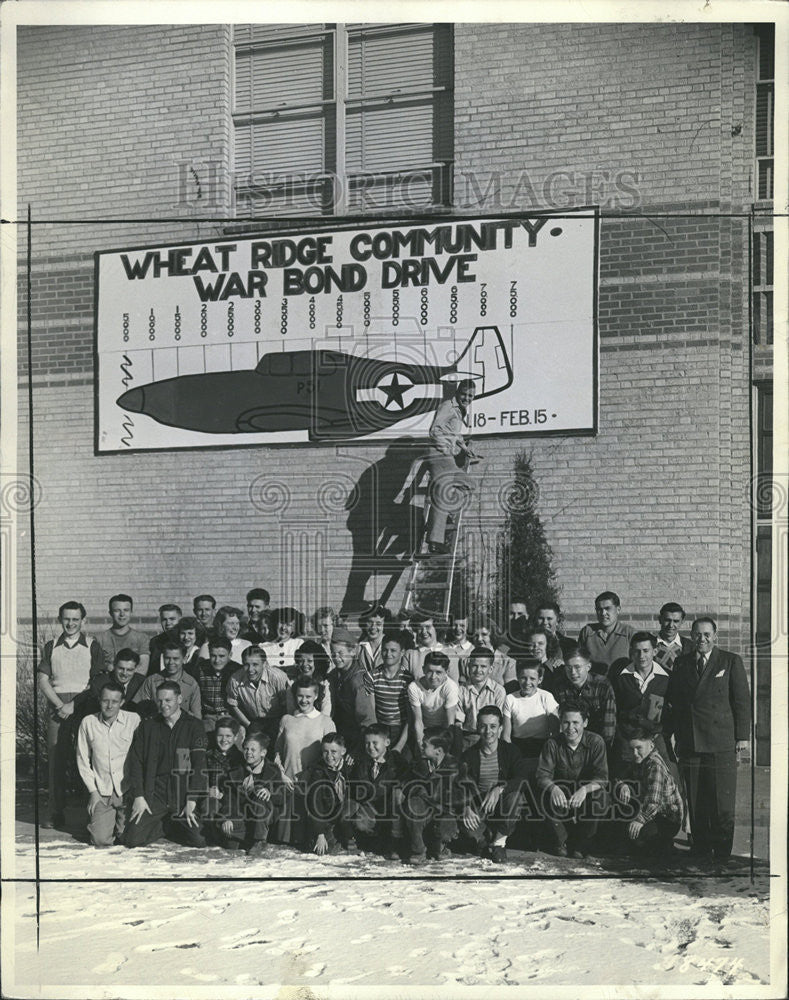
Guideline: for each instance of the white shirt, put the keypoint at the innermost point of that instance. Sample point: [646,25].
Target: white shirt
[532,717]
[656,671]
[102,750]
[414,659]
[434,704]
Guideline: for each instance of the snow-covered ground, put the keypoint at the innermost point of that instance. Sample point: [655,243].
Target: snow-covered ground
[360,923]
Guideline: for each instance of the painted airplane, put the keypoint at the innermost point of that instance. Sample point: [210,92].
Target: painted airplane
[330,394]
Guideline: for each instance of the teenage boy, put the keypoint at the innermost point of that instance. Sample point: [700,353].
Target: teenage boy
[213,678]
[67,663]
[432,799]
[477,690]
[390,693]
[607,640]
[708,708]
[172,653]
[167,774]
[257,629]
[120,635]
[375,791]
[426,642]
[580,684]
[169,616]
[572,775]
[252,798]
[124,672]
[433,697]
[495,777]
[204,609]
[353,702]
[660,803]
[257,691]
[222,756]
[670,644]
[640,692]
[103,744]
[326,783]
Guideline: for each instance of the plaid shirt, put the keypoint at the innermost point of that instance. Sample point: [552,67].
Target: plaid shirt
[659,793]
[598,696]
[213,687]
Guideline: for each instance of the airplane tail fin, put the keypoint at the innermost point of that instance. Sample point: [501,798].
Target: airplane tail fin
[485,360]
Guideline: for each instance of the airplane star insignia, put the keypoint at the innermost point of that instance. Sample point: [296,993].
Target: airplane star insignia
[394,388]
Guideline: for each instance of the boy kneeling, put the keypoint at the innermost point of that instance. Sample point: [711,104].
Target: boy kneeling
[251,798]
[574,759]
[660,814]
[432,799]
[328,827]
[375,793]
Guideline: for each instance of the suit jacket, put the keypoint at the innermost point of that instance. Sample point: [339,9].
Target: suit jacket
[87,702]
[708,713]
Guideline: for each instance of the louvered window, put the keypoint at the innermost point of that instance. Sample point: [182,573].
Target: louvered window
[765,111]
[342,117]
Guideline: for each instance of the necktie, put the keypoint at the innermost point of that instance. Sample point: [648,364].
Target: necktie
[700,664]
[339,785]
[376,768]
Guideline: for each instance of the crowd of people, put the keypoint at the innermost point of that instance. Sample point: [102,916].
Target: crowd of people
[412,738]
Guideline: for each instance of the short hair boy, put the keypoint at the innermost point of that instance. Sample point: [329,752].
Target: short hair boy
[169,616]
[252,796]
[572,776]
[660,803]
[326,800]
[121,635]
[432,799]
[375,793]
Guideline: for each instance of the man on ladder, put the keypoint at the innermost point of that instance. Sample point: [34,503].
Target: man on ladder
[448,462]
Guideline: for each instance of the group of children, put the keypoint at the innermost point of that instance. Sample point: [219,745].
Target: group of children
[392,740]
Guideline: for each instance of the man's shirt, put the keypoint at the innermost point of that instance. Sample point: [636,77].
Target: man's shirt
[257,700]
[606,650]
[189,691]
[560,762]
[598,696]
[667,652]
[471,700]
[111,644]
[69,664]
[213,686]
[434,704]
[657,792]
[102,751]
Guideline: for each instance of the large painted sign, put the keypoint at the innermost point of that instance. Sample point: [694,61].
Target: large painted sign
[348,334]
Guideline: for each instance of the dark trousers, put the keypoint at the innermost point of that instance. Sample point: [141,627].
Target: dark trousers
[162,822]
[375,817]
[424,819]
[502,821]
[711,786]
[575,826]
[658,834]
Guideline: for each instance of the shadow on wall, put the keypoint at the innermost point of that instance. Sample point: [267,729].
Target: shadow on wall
[384,521]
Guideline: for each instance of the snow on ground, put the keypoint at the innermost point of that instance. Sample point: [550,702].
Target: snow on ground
[364,922]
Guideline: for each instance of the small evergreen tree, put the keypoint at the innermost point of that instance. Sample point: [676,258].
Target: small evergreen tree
[525,561]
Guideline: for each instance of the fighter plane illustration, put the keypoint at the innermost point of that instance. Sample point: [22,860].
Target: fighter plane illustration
[330,394]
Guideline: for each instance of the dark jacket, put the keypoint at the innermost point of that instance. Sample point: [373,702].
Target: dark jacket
[391,774]
[442,788]
[707,714]
[234,798]
[87,702]
[323,805]
[169,765]
[221,764]
[512,767]
[353,703]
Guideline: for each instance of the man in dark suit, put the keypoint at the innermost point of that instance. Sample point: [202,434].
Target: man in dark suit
[708,709]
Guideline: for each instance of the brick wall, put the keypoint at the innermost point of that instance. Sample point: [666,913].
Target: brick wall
[654,507]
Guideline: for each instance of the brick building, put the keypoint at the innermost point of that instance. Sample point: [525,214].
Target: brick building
[666,127]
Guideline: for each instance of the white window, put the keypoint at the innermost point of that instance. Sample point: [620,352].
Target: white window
[342,118]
